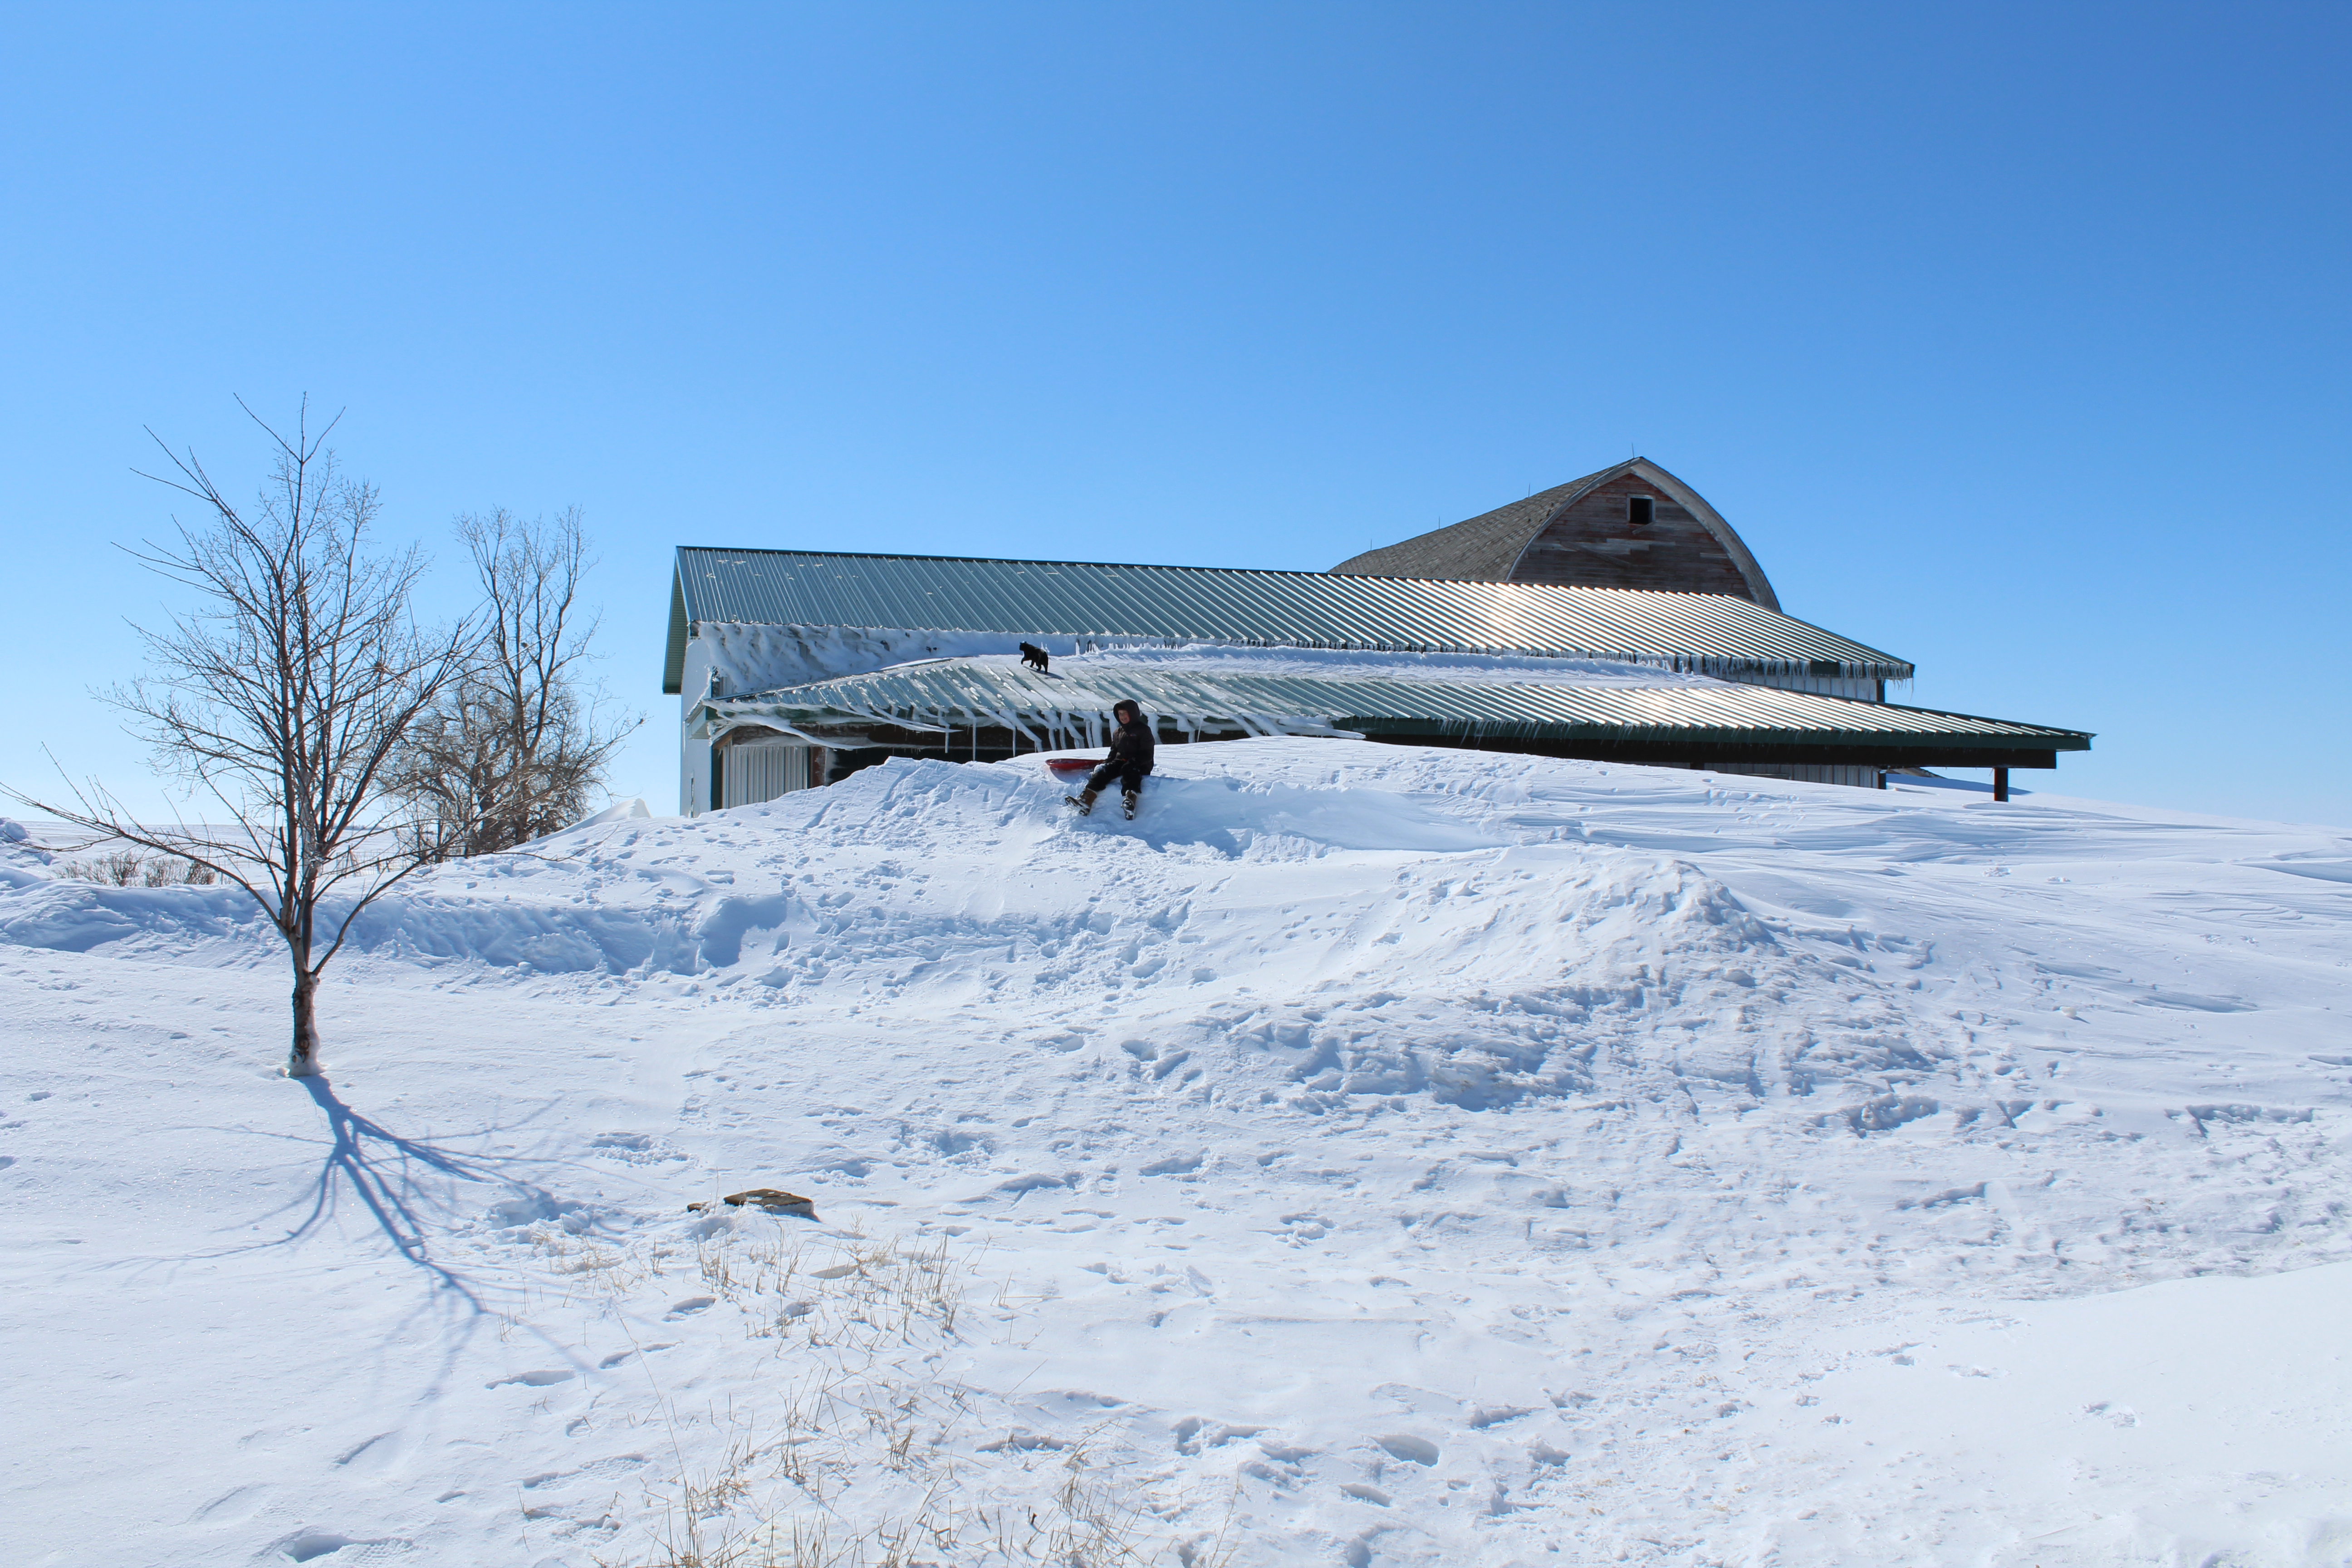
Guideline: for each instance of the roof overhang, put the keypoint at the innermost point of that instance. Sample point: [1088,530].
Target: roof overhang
[1666,720]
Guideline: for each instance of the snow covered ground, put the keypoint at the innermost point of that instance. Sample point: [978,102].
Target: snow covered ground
[1370,1155]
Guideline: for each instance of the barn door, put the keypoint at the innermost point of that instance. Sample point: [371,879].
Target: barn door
[762,771]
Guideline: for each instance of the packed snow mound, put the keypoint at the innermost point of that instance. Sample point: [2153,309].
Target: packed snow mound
[1367,1154]
[22,859]
[629,810]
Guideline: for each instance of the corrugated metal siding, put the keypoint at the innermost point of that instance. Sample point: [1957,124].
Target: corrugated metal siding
[955,692]
[1845,773]
[764,771]
[1854,688]
[1293,609]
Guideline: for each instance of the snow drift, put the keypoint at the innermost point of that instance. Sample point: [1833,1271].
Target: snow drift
[1366,1156]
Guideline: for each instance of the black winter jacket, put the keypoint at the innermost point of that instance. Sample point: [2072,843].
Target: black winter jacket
[1130,748]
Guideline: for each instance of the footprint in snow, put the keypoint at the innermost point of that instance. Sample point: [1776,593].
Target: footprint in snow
[596,1470]
[306,1544]
[692,1305]
[540,1379]
[1412,1449]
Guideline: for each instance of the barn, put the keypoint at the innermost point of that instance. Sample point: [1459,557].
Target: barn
[1616,618]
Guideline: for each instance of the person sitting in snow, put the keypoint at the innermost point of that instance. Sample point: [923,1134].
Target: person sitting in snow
[1129,759]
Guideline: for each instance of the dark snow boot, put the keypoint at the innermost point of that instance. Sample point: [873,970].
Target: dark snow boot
[1132,796]
[1085,802]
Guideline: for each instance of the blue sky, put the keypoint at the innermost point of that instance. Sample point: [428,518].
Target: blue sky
[2012,338]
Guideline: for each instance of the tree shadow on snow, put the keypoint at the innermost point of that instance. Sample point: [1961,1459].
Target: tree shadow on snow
[396,1179]
[400,1181]
[393,1177]
[382,1171]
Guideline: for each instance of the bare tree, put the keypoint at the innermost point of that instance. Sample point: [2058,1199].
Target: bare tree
[283,699]
[516,743]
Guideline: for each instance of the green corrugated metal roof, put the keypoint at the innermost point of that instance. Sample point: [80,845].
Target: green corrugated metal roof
[1710,632]
[955,692]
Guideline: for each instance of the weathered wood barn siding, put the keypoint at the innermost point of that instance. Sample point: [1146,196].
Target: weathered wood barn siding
[1592,543]
[1588,533]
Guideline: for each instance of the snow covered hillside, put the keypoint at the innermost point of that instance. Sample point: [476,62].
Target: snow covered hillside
[1369,1155]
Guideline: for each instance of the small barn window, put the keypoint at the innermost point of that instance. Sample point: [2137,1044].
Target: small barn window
[1638,510]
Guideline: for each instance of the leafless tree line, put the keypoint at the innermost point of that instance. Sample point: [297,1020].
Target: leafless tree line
[514,744]
[344,744]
